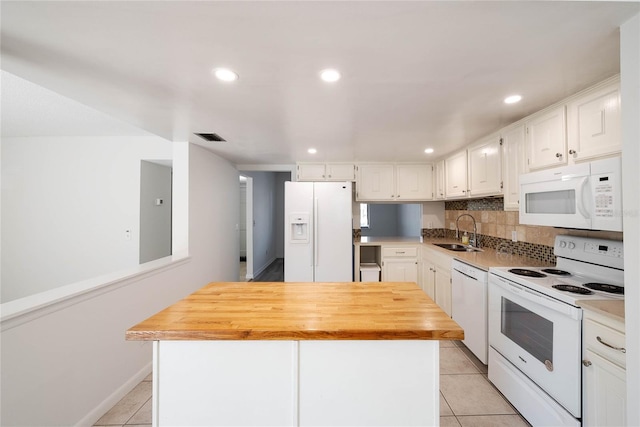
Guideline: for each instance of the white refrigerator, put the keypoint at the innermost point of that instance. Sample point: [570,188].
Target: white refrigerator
[318,232]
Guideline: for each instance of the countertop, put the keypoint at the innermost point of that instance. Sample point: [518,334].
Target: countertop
[373,241]
[488,257]
[301,311]
[613,309]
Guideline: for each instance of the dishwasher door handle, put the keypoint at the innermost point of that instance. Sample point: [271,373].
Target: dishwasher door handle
[465,274]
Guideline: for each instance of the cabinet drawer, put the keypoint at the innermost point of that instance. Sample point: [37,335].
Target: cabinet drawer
[593,330]
[400,252]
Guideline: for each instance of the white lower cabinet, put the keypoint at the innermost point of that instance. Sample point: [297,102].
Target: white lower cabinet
[400,264]
[435,278]
[604,373]
[295,383]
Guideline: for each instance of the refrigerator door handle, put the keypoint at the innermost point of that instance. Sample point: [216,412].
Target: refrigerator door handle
[315,232]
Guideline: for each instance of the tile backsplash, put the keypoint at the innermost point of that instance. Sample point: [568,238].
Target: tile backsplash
[496,229]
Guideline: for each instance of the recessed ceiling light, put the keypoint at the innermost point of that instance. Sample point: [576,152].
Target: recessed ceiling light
[312,151]
[225,74]
[429,150]
[330,75]
[512,99]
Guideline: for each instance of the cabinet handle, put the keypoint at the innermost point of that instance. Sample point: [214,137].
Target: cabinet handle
[621,349]
[586,363]
[329,176]
[572,151]
[558,155]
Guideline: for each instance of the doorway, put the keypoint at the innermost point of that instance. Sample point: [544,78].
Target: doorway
[155,209]
[262,204]
[245,228]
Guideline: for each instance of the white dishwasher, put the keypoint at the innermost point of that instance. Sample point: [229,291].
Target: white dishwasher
[469,306]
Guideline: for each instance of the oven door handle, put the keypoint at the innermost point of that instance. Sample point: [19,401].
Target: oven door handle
[537,298]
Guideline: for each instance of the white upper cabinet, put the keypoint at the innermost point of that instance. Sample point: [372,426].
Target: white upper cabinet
[513,165]
[340,172]
[376,182]
[455,171]
[593,123]
[485,167]
[438,178]
[326,172]
[546,139]
[388,182]
[414,182]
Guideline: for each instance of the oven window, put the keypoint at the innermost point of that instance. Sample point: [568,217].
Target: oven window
[551,202]
[530,331]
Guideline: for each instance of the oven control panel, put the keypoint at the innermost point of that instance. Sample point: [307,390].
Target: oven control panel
[609,250]
[597,251]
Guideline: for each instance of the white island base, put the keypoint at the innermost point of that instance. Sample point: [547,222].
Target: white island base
[296,383]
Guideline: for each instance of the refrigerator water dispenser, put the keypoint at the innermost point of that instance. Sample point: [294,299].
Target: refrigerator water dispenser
[299,223]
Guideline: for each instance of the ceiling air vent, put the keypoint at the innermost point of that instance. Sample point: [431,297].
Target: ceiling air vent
[211,137]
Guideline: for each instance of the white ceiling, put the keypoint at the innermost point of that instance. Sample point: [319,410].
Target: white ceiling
[415,74]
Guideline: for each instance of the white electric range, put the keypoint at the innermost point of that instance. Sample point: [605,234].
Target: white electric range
[535,326]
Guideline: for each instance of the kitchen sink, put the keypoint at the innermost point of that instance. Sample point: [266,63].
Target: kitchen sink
[457,247]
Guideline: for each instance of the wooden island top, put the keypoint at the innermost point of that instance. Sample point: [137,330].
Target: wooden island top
[301,311]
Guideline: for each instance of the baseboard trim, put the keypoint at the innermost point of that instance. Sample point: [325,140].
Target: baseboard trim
[115,397]
[263,268]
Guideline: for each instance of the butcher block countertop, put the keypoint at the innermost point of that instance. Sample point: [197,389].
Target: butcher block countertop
[301,311]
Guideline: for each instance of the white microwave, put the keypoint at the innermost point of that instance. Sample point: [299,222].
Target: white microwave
[585,196]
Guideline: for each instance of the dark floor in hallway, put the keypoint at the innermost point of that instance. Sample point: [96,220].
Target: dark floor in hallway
[273,273]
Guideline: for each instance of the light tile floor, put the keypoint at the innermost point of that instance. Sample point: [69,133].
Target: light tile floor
[467,398]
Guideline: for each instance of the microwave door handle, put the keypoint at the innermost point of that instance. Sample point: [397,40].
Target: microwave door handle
[581,197]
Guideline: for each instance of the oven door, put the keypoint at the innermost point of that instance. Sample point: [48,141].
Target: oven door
[540,336]
[556,198]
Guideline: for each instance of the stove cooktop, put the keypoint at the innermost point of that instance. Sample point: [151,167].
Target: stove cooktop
[562,284]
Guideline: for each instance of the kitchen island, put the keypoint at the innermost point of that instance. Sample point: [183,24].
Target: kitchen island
[298,354]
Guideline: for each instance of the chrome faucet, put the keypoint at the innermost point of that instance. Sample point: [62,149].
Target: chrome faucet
[473,241]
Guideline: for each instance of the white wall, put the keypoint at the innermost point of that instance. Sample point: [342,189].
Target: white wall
[410,220]
[66,204]
[383,220]
[630,97]
[433,215]
[69,364]
[155,219]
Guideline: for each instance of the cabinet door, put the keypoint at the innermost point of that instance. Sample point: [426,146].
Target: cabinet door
[404,270]
[443,289]
[438,177]
[375,182]
[311,172]
[593,124]
[414,182]
[546,139]
[428,279]
[605,388]
[512,166]
[485,169]
[455,171]
[340,172]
